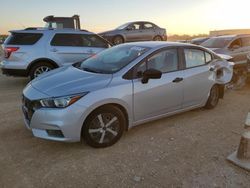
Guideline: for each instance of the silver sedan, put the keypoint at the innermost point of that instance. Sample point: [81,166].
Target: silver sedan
[122,87]
[134,32]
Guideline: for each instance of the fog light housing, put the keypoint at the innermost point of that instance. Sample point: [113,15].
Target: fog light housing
[55,133]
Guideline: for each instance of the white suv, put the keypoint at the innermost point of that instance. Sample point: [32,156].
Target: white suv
[33,51]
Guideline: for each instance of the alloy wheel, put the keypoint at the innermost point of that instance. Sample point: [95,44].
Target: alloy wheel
[40,70]
[104,128]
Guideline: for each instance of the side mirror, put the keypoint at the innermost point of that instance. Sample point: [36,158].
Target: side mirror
[150,74]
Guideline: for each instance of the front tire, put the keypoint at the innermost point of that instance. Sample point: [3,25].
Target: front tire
[39,69]
[104,127]
[213,97]
[118,40]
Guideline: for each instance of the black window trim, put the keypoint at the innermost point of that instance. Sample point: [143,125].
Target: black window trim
[131,74]
[12,33]
[98,36]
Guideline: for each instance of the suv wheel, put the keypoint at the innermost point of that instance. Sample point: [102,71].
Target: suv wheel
[40,68]
[104,127]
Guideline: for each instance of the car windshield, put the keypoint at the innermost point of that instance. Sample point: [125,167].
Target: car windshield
[217,42]
[113,59]
[122,26]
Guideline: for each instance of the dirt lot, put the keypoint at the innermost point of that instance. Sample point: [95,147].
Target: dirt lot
[186,150]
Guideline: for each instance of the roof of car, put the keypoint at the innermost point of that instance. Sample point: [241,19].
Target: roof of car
[231,36]
[159,44]
[47,30]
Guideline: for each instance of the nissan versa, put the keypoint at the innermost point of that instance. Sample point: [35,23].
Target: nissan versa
[129,84]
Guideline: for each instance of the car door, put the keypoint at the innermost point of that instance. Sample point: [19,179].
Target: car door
[159,96]
[134,32]
[70,48]
[198,79]
[148,31]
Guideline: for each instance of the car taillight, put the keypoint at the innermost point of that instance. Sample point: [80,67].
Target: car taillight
[9,50]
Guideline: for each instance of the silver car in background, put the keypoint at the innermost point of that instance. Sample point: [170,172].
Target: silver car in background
[121,87]
[135,31]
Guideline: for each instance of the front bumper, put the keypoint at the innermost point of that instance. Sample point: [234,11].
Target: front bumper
[58,124]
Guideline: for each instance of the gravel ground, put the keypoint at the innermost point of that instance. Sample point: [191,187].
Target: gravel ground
[186,150]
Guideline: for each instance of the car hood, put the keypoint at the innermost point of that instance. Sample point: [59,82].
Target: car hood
[219,51]
[70,80]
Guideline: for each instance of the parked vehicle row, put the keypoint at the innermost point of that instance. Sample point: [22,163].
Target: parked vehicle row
[98,92]
[120,87]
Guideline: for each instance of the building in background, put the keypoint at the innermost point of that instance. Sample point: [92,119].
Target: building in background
[229,32]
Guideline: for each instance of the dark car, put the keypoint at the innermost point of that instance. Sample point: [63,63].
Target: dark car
[135,31]
[198,41]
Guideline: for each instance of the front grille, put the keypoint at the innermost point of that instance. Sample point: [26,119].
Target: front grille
[28,108]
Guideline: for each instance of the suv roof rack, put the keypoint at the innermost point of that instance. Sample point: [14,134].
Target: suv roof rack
[37,28]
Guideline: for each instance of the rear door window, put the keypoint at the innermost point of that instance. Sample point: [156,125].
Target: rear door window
[194,58]
[24,38]
[148,26]
[78,40]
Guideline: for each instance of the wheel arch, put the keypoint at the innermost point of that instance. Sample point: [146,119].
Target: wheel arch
[119,35]
[118,105]
[42,60]
[157,35]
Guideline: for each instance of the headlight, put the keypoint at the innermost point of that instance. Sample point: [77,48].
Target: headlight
[60,102]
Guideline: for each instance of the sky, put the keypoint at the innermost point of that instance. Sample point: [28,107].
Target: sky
[177,16]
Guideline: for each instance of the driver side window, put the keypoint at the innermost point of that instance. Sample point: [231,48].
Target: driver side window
[164,61]
[135,26]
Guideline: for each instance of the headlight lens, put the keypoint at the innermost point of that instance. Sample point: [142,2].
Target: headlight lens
[60,102]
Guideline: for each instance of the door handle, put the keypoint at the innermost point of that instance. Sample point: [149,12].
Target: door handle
[90,51]
[176,80]
[54,50]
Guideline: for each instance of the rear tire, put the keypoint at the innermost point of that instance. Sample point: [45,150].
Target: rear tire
[104,127]
[40,68]
[213,98]
[157,38]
